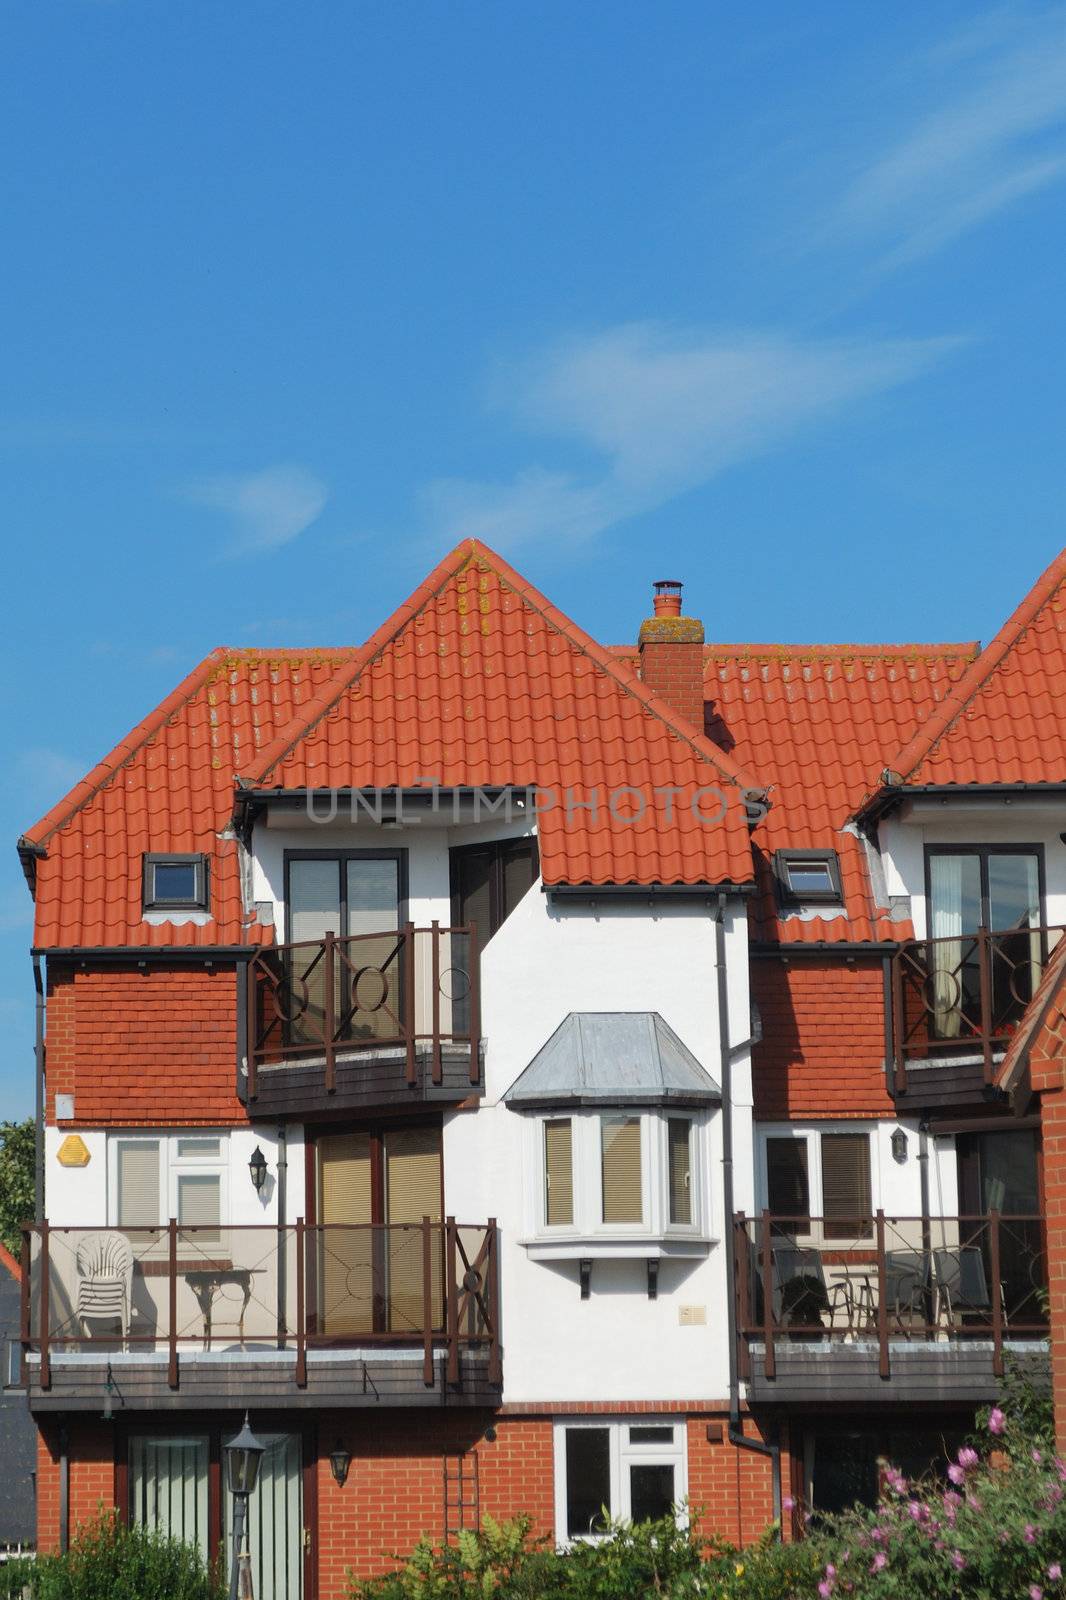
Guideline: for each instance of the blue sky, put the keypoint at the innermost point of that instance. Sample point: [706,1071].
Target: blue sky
[296,294]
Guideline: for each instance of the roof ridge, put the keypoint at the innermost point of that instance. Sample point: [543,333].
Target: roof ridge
[87,787]
[467,551]
[915,751]
[969,647]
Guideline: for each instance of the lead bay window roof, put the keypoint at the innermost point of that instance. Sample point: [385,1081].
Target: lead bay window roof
[613,1058]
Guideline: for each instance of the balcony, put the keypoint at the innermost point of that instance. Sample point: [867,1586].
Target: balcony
[400,1314]
[353,1023]
[956,1004]
[889,1308]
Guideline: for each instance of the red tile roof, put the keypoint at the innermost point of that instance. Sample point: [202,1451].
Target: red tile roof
[1004,721]
[813,721]
[168,786]
[477,679]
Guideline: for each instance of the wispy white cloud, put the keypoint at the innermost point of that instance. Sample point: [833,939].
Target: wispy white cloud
[992,130]
[662,411]
[265,509]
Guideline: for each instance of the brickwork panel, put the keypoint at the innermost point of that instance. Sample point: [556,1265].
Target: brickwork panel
[144,1047]
[822,1051]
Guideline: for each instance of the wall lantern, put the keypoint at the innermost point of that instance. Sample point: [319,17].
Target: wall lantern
[244,1453]
[257,1166]
[899,1145]
[340,1460]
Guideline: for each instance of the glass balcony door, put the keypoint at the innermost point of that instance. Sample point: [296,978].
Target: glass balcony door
[999,889]
[358,896]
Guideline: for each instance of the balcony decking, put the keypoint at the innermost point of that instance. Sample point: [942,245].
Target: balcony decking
[401,1314]
[888,1308]
[375,1020]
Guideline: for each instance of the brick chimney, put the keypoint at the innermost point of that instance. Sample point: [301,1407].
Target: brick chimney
[671,654]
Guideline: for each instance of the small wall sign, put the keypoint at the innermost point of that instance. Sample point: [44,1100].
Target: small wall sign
[73,1152]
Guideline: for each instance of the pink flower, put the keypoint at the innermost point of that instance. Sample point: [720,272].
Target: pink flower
[996,1421]
[1030,1533]
[1054,1572]
[825,1589]
[880,1560]
[967,1458]
[788,1504]
[830,1571]
[1035,1592]
[958,1560]
[1037,1457]
[917,1511]
[956,1474]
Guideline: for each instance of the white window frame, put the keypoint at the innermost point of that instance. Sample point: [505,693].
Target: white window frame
[622,1454]
[171,1168]
[811,1135]
[586,1154]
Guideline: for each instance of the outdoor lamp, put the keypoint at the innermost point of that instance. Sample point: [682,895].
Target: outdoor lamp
[899,1145]
[257,1166]
[243,1455]
[340,1460]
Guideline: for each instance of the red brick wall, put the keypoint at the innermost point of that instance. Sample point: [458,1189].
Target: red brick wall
[1053,1125]
[92,1477]
[674,670]
[822,1051]
[155,1046]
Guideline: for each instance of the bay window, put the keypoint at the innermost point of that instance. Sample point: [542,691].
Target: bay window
[618,1175]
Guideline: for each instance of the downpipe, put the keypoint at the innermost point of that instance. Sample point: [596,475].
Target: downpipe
[38,1050]
[735,1432]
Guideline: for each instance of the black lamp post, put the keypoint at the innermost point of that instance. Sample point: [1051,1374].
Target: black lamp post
[258,1168]
[243,1456]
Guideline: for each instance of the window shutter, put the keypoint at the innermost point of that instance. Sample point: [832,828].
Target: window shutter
[787,1186]
[558,1172]
[679,1141]
[412,1174]
[199,1201]
[846,1184]
[138,1185]
[623,1199]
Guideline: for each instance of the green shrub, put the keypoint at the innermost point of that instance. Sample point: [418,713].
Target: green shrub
[108,1561]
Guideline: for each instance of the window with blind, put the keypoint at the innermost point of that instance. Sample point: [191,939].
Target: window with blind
[679,1169]
[559,1172]
[138,1184]
[788,1192]
[846,1200]
[623,1197]
[181,1176]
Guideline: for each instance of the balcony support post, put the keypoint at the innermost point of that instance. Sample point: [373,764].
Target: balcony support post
[46,1365]
[409,998]
[475,1006]
[769,1354]
[984,967]
[428,1317]
[329,1010]
[301,1318]
[742,1289]
[452,1307]
[997,1295]
[883,1367]
[435,984]
[172,1303]
[492,1296]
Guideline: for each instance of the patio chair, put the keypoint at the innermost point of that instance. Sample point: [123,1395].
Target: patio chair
[801,1294]
[961,1287]
[104,1264]
[907,1280]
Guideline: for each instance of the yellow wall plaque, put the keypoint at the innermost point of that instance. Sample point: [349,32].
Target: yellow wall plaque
[72,1152]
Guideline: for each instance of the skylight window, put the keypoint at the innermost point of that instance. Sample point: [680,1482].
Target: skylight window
[175,882]
[807,875]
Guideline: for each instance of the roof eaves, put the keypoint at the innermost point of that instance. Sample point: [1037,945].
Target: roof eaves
[83,792]
[909,759]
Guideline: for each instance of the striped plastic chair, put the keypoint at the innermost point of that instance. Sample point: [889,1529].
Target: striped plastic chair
[105,1272]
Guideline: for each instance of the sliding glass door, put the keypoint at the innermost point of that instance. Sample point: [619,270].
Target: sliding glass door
[357,895]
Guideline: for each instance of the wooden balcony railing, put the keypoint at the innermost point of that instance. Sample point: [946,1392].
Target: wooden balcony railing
[965,995]
[179,1289]
[411,989]
[943,1280]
